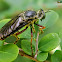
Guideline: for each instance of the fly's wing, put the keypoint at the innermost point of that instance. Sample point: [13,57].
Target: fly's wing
[7,25]
[11,26]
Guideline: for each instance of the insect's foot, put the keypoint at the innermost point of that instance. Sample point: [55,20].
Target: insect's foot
[43,27]
[34,30]
[41,30]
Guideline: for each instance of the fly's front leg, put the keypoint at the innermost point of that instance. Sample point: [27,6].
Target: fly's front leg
[18,34]
[41,27]
[31,39]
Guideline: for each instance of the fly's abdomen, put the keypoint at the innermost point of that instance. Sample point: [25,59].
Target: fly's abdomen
[11,28]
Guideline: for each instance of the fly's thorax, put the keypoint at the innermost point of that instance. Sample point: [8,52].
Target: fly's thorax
[29,15]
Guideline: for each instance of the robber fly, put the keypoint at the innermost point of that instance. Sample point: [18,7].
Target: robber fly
[26,19]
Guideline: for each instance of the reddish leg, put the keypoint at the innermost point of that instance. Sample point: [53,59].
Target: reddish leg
[21,31]
[18,34]
[31,39]
[40,27]
[43,27]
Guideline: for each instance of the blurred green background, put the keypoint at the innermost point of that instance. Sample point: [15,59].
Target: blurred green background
[10,8]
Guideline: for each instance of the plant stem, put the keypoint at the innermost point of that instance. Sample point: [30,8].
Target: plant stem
[28,56]
[36,46]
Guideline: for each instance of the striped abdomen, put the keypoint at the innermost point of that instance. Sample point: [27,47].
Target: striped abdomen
[11,27]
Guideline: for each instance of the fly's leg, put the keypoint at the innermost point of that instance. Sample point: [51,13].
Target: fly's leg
[41,30]
[21,31]
[33,28]
[18,34]
[16,38]
[41,27]
[31,39]
[47,11]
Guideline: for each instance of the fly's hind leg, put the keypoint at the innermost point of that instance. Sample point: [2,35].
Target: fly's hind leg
[31,39]
[16,38]
[18,34]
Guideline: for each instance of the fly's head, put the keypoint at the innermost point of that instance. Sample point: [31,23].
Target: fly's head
[41,14]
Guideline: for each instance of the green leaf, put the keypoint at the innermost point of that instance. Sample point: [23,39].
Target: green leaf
[42,56]
[51,18]
[60,35]
[57,56]
[22,59]
[1,42]
[19,42]
[26,46]
[52,51]
[3,22]
[25,34]
[49,42]
[11,39]
[8,52]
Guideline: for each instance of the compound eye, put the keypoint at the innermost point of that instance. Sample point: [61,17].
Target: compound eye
[43,17]
[41,14]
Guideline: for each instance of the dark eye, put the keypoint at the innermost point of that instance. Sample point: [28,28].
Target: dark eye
[43,17]
[39,15]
